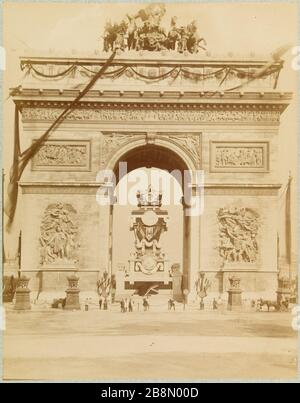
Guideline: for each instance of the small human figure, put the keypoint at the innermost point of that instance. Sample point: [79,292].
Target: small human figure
[171,304]
[126,304]
[215,304]
[145,304]
[122,305]
[130,305]
[100,303]
[86,305]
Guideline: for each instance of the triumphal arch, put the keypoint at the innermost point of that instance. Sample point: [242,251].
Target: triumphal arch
[162,102]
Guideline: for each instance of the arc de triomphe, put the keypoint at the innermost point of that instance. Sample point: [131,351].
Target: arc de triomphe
[154,109]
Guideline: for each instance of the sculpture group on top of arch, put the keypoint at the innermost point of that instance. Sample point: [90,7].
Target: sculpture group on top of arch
[143,31]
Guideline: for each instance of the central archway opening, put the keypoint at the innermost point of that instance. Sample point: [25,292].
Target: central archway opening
[144,253]
[151,156]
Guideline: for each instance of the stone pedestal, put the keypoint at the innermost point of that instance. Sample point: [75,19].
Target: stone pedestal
[234,294]
[283,290]
[177,283]
[22,294]
[72,299]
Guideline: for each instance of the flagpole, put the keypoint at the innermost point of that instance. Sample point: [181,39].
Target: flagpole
[289,227]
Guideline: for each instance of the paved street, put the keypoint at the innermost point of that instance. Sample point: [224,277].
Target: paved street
[56,344]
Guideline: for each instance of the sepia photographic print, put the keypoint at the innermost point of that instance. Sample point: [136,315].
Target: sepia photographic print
[149,192]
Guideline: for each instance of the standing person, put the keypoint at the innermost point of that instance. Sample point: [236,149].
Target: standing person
[86,305]
[122,305]
[100,303]
[130,305]
[171,304]
[145,304]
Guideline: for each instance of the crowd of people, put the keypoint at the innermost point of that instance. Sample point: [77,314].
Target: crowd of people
[217,304]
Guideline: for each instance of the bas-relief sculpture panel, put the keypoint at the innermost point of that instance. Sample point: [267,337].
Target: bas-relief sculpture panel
[238,231]
[63,155]
[59,235]
[234,156]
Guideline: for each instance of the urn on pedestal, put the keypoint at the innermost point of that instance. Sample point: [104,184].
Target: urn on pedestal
[234,293]
[72,299]
[284,290]
[22,294]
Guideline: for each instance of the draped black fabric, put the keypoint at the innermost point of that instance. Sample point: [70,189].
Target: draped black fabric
[20,160]
[273,68]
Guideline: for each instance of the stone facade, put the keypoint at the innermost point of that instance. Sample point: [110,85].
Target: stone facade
[232,136]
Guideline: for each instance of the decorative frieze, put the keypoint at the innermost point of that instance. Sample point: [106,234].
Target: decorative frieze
[63,155]
[169,113]
[238,229]
[233,156]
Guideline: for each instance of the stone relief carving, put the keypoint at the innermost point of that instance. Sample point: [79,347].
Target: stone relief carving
[190,143]
[113,141]
[62,154]
[159,115]
[239,156]
[238,234]
[59,235]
